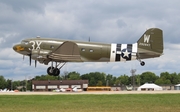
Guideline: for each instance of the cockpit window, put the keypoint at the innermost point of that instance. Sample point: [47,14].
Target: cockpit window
[25,42]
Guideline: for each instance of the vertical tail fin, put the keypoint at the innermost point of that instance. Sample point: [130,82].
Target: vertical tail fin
[151,41]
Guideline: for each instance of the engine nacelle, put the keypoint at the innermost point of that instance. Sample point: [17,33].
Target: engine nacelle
[39,54]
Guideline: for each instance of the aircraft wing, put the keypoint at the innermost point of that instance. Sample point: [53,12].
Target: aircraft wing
[66,52]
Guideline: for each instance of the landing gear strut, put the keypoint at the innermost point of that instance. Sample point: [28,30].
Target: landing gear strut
[141,62]
[55,71]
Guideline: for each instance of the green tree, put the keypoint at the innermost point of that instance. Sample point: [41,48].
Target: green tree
[99,83]
[29,85]
[9,84]
[174,78]
[110,80]
[148,77]
[167,78]
[16,84]
[46,77]
[74,76]
[92,82]
[94,77]
[3,83]
[124,80]
[165,75]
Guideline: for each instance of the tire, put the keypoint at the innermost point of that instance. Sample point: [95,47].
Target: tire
[56,72]
[142,63]
[50,72]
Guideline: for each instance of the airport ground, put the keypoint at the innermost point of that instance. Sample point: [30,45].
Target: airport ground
[104,101]
[93,92]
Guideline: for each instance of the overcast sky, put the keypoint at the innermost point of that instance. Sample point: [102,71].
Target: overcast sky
[110,21]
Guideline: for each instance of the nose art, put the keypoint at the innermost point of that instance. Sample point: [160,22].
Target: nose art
[18,48]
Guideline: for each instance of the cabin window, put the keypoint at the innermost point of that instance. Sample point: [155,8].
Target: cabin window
[83,49]
[113,52]
[52,47]
[91,50]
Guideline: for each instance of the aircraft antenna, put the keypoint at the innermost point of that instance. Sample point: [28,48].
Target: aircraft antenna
[89,39]
[35,63]
[30,59]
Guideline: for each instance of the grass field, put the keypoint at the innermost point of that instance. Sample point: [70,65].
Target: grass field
[91,103]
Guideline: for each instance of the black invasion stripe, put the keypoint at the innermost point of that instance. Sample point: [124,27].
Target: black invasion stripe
[118,48]
[117,57]
[119,45]
[129,47]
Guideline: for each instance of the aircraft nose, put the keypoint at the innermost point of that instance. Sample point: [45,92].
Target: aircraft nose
[18,48]
[14,47]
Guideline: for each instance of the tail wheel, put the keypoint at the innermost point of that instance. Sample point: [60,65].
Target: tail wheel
[142,63]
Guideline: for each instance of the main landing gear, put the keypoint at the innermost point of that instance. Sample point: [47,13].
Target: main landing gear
[55,71]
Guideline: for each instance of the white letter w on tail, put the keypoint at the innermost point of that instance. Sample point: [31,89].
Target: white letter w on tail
[146,38]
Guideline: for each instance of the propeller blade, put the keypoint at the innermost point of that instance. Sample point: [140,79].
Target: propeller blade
[35,63]
[30,59]
[23,57]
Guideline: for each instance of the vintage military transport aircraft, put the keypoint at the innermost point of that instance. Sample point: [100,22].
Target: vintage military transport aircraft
[45,50]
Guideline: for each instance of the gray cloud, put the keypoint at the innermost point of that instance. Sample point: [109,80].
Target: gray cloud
[114,21]
[21,5]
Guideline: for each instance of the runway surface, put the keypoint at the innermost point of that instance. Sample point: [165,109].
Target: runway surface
[92,92]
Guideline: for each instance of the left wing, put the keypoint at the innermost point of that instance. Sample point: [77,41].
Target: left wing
[66,52]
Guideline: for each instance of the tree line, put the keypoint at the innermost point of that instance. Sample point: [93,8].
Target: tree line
[97,79]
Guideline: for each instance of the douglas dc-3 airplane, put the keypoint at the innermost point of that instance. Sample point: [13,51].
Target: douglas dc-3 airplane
[45,50]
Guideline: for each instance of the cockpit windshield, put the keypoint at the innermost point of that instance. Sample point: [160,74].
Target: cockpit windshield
[24,42]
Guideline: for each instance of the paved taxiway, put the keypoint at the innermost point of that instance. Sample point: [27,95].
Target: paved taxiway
[92,92]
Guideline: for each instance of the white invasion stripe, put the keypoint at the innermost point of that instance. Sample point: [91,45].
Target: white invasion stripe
[123,46]
[118,52]
[134,48]
[113,52]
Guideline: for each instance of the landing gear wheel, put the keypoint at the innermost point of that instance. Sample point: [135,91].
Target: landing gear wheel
[56,72]
[142,63]
[50,70]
